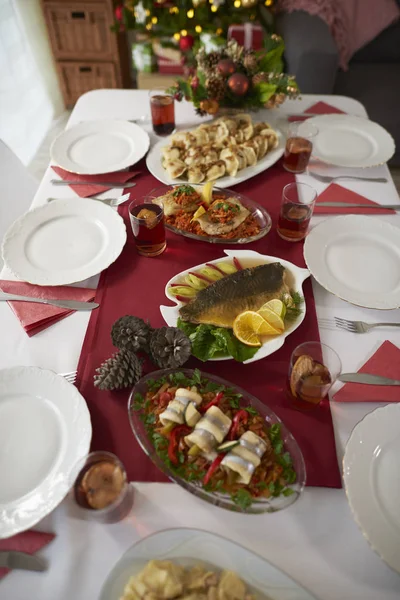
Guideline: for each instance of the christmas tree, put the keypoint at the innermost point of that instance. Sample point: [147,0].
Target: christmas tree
[185,20]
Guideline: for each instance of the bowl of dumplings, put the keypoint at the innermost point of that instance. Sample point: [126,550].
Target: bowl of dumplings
[230,149]
[206,213]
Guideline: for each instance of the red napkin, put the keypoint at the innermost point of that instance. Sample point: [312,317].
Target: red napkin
[385,362]
[36,317]
[337,193]
[84,191]
[320,108]
[27,541]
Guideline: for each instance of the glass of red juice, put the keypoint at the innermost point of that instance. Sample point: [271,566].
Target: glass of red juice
[147,221]
[162,112]
[299,145]
[298,200]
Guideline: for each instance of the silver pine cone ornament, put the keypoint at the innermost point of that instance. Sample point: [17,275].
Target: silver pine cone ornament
[170,347]
[120,371]
[131,333]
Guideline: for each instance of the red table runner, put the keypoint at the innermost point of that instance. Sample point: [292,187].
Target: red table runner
[135,285]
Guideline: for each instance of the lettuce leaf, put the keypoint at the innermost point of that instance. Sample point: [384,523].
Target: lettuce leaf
[209,341]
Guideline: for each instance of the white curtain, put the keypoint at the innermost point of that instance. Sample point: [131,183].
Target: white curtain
[30,98]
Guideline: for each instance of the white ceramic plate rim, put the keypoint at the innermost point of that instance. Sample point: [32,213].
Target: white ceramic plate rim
[324,233]
[189,546]
[171,313]
[23,513]
[357,479]
[138,136]
[385,142]
[153,162]
[13,249]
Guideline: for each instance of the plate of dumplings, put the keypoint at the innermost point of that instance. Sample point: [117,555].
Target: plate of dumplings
[229,149]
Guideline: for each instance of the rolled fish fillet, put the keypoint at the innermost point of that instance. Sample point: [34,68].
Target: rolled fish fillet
[210,430]
[245,458]
[175,411]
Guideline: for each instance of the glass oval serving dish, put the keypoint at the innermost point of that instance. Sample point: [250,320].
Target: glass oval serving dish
[152,442]
[259,213]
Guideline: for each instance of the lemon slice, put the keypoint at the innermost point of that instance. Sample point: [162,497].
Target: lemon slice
[200,211]
[273,320]
[206,192]
[277,306]
[249,325]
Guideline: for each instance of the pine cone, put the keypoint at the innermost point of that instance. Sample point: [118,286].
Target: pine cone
[250,62]
[120,371]
[260,78]
[131,333]
[216,88]
[169,347]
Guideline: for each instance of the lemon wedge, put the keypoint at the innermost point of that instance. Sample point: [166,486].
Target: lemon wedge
[277,306]
[200,211]
[206,192]
[274,321]
[249,325]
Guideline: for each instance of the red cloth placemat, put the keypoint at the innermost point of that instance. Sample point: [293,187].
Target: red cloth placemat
[135,285]
[337,193]
[84,191]
[320,108]
[29,542]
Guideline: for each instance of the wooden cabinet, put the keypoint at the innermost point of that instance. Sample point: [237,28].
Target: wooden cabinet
[88,54]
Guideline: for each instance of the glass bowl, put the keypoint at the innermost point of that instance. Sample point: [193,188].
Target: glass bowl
[259,505]
[259,213]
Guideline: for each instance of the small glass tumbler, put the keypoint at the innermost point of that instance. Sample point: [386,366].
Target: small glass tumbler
[298,200]
[299,144]
[162,112]
[101,489]
[147,221]
[313,369]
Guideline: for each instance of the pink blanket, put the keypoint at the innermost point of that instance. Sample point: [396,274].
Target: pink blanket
[353,23]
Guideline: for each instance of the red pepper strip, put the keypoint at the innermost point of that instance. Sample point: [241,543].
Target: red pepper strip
[173,441]
[213,402]
[213,467]
[240,416]
[237,264]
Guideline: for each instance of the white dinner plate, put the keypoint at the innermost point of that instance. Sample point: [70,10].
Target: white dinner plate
[356,258]
[171,313]
[45,429]
[153,162]
[348,141]
[98,147]
[372,480]
[188,547]
[63,242]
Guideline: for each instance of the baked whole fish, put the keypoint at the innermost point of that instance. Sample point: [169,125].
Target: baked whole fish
[221,302]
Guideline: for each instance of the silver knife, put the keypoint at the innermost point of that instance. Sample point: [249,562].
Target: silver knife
[71,304]
[128,184]
[356,205]
[19,560]
[368,379]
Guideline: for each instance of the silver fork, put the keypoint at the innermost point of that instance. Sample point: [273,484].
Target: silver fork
[357,326]
[113,202]
[70,377]
[328,179]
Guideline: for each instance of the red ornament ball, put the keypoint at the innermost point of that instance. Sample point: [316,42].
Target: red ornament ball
[194,82]
[238,84]
[226,67]
[119,12]
[186,43]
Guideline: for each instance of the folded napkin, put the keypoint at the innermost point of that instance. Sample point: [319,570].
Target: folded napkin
[337,193]
[385,362]
[36,317]
[320,108]
[29,542]
[84,191]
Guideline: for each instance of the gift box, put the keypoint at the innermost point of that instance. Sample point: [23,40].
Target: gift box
[248,35]
[143,57]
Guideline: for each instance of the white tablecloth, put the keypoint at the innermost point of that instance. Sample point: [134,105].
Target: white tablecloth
[315,541]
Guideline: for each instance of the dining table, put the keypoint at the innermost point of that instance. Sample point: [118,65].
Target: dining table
[315,541]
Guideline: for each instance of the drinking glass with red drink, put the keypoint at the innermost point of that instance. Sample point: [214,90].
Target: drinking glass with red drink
[162,112]
[298,200]
[147,221]
[299,146]
[313,369]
